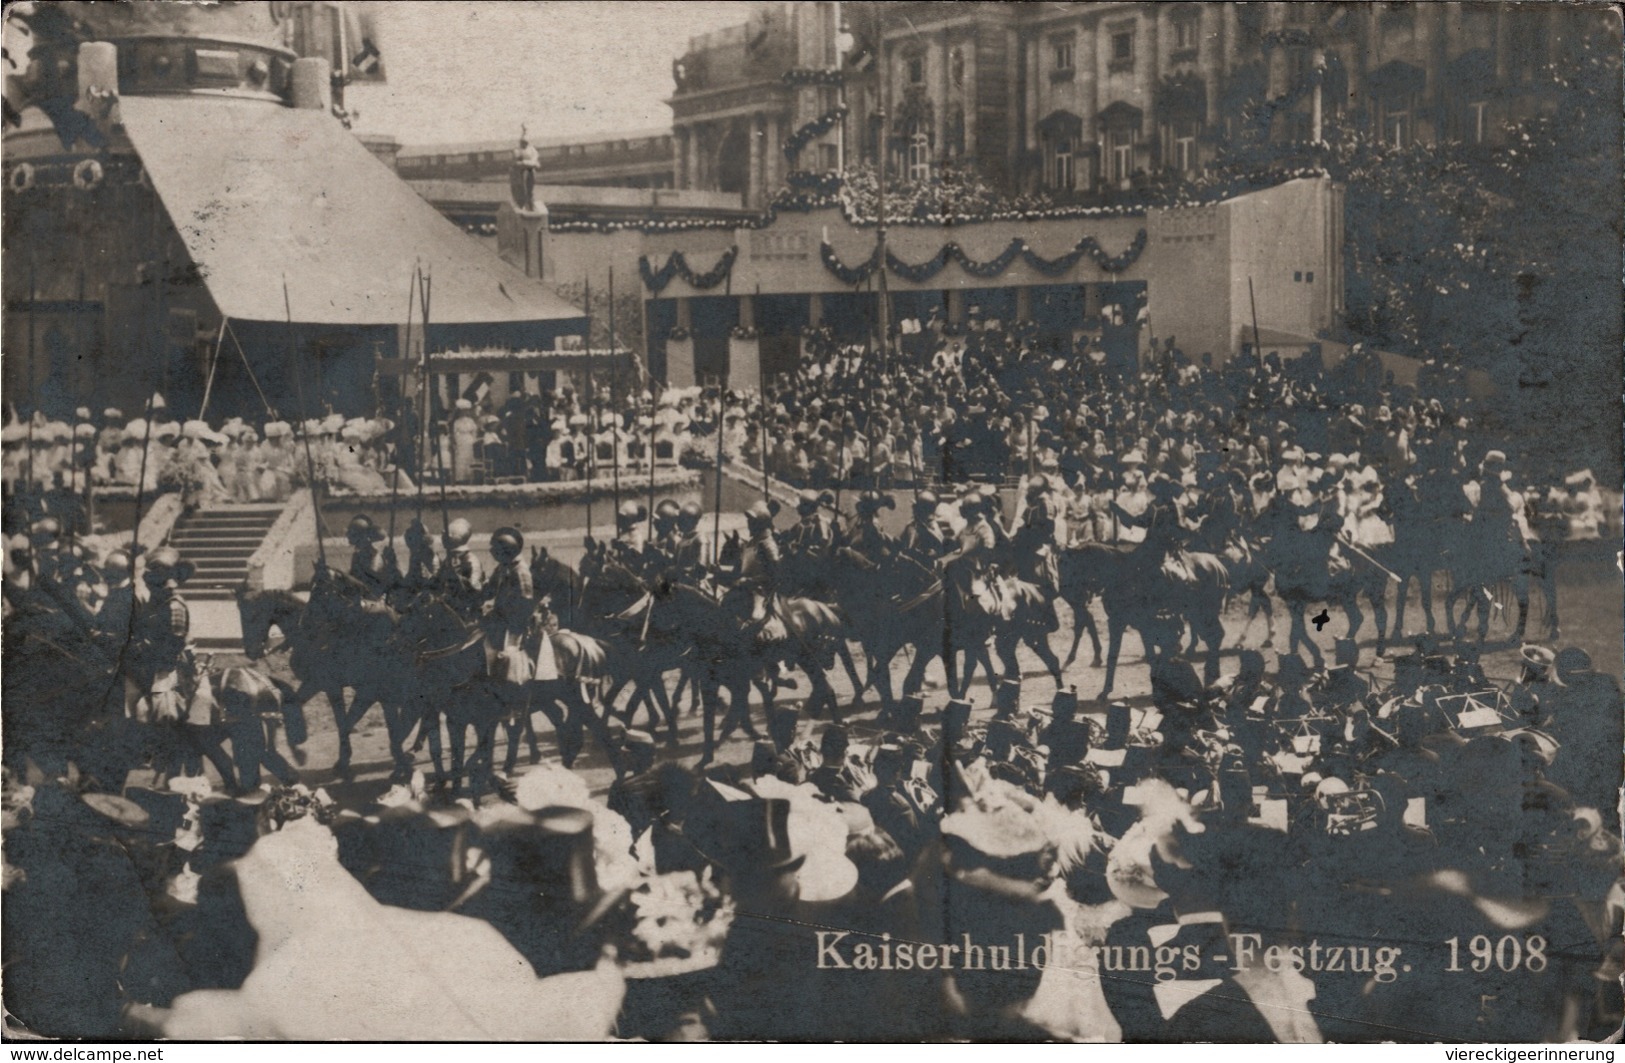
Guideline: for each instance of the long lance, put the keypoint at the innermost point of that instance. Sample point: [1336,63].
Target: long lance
[1348,544]
[615,439]
[653,407]
[422,398]
[716,518]
[592,403]
[310,458]
[73,479]
[426,282]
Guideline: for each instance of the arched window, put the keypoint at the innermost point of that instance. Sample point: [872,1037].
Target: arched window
[956,67]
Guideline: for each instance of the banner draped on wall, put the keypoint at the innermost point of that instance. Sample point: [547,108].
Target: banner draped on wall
[677,266]
[921,272]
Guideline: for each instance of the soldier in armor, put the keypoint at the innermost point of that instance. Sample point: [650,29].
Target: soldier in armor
[814,535]
[461,577]
[866,544]
[975,551]
[630,548]
[758,572]
[420,560]
[665,540]
[508,603]
[118,603]
[921,540]
[372,576]
[159,659]
[688,554]
[1164,532]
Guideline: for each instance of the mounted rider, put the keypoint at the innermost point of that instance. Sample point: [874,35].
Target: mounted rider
[461,576]
[688,552]
[508,604]
[373,577]
[759,562]
[1496,530]
[1034,544]
[1163,547]
[665,538]
[922,540]
[865,543]
[630,547]
[159,669]
[967,565]
[421,565]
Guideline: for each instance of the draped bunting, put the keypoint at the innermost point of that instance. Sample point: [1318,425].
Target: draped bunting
[677,266]
[921,272]
[812,131]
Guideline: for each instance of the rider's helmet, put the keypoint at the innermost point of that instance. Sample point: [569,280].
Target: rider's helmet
[758,515]
[629,514]
[807,504]
[457,533]
[165,566]
[362,530]
[667,510]
[688,518]
[506,543]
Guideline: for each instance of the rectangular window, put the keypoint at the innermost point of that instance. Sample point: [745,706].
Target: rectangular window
[1184,145]
[1063,54]
[916,70]
[1123,46]
[1062,176]
[1121,144]
[1184,34]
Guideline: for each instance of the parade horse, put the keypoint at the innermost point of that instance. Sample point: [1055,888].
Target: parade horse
[1024,613]
[646,640]
[1416,553]
[332,645]
[901,606]
[448,661]
[1481,561]
[1158,604]
[812,587]
[769,638]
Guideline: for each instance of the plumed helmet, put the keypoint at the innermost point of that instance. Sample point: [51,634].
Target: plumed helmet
[927,502]
[506,543]
[690,514]
[458,532]
[631,513]
[667,509]
[758,513]
[807,503]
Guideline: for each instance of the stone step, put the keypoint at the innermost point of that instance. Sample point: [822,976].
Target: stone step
[251,542]
[200,551]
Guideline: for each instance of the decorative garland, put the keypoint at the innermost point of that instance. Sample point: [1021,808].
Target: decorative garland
[799,201]
[740,332]
[812,131]
[919,273]
[805,76]
[656,280]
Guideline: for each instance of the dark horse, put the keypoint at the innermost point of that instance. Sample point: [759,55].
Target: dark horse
[1158,605]
[331,646]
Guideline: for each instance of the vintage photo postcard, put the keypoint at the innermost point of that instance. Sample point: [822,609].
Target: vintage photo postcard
[812,521]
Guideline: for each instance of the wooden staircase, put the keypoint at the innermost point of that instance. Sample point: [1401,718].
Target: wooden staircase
[219,541]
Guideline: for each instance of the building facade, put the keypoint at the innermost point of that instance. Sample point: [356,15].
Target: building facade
[1083,100]
[641,159]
